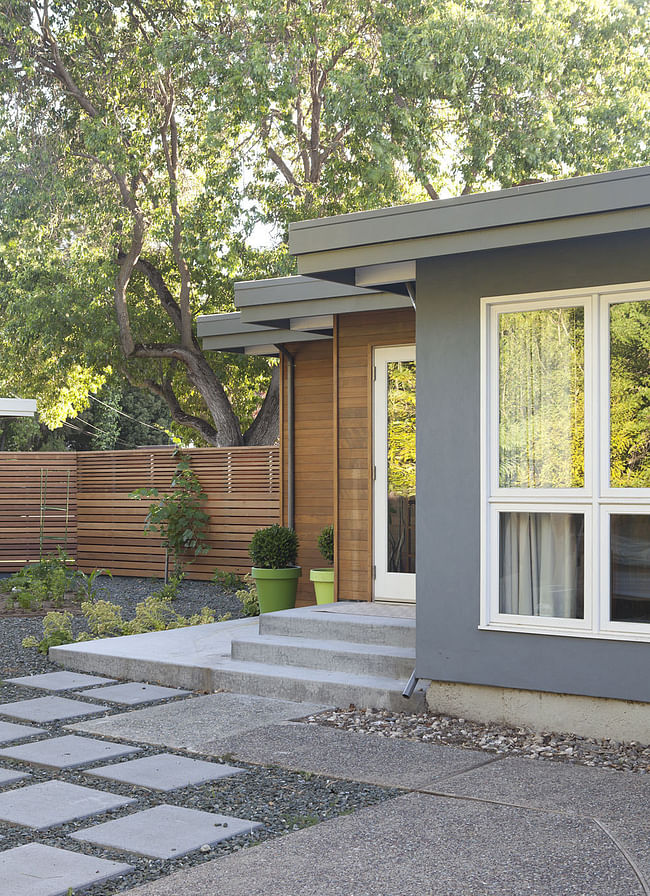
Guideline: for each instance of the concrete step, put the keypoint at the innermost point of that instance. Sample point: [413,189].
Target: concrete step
[341,656]
[316,686]
[360,629]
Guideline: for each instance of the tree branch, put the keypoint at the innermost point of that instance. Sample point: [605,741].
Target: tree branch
[164,390]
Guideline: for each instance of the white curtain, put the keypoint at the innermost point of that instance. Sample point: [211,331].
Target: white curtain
[541,569]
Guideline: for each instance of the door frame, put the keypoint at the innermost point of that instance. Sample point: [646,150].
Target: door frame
[387,586]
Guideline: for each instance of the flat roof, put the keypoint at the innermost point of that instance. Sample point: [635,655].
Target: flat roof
[17,407]
[227,332]
[281,300]
[562,209]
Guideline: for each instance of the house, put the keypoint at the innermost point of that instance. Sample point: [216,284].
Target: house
[530,310]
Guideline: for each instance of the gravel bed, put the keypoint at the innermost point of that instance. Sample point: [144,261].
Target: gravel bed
[429,727]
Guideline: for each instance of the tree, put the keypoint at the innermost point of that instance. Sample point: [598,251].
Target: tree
[102,197]
[139,143]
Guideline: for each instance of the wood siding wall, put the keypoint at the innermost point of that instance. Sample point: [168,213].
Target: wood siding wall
[356,336]
[242,484]
[314,454]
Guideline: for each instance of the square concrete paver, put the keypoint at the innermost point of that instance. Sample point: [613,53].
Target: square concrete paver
[60,681]
[10,731]
[49,803]
[68,751]
[49,709]
[9,776]
[36,870]
[131,693]
[166,832]
[165,772]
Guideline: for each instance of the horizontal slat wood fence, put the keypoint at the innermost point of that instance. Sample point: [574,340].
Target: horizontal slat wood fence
[38,504]
[242,485]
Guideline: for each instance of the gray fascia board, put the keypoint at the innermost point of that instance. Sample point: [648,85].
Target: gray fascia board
[251,293]
[226,324]
[265,336]
[378,301]
[613,199]
[341,263]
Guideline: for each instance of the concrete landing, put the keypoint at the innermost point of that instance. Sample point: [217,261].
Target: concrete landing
[335,654]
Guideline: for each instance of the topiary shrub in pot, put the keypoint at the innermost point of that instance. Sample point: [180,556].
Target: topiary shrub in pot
[274,551]
[323,579]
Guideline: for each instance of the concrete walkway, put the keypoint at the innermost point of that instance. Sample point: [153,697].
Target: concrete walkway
[467,822]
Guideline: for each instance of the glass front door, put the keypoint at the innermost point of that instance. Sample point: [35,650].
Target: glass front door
[394,473]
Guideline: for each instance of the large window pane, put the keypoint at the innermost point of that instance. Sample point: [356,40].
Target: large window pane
[541,398]
[630,567]
[541,564]
[401,466]
[630,395]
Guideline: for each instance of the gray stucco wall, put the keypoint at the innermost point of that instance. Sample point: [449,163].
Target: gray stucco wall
[449,645]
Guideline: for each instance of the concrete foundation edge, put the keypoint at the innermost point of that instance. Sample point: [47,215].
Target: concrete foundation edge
[617,720]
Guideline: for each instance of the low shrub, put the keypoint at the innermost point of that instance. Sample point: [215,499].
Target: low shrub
[275,547]
[104,620]
[248,597]
[326,543]
[228,581]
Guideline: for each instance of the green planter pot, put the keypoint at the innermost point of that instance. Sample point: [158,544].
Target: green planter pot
[276,588]
[323,580]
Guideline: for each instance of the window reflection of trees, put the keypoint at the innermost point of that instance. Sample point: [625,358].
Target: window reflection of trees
[401,466]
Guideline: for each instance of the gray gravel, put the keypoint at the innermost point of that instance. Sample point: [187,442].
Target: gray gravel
[429,727]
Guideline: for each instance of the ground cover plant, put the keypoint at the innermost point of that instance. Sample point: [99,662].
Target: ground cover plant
[52,582]
[105,619]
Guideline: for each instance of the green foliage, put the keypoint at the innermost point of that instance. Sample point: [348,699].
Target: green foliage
[248,597]
[47,580]
[275,547]
[284,111]
[228,581]
[178,517]
[169,589]
[104,620]
[326,543]
[87,587]
[57,630]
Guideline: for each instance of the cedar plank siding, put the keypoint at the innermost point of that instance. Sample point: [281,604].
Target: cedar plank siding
[333,443]
[357,334]
[314,455]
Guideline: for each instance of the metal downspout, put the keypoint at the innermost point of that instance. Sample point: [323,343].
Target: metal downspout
[291,441]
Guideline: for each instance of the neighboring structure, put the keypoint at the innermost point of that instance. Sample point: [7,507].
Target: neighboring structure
[533,426]
[17,407]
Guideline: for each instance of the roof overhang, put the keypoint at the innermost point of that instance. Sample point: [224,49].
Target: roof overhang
[375,248]
[17,407]
[226,332]
[287,310]
[284,301]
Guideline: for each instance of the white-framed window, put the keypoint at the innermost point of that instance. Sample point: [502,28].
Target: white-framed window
[565,482]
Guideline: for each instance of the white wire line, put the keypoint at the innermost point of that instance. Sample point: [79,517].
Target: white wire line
[128,416]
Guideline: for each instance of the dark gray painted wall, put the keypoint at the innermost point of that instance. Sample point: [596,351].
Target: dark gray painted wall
[449,645]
